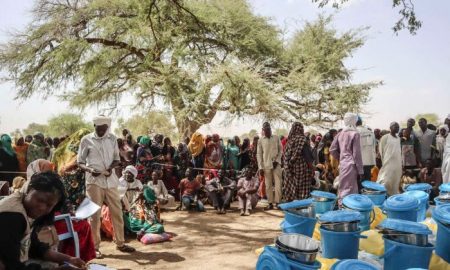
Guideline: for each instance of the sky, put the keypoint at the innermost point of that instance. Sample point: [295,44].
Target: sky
[414,68]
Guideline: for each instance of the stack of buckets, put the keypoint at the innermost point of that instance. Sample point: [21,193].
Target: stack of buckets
[340,243]
[402,206]
[299,217]
[375,192]
[362,204]
[441,214]
[401,251]
[323,201]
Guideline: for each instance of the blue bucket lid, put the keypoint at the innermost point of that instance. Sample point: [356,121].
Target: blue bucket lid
[373,186]
[341,216]
[296,204]
[442,213]
[445,187]
[405,226]
[401,202]
[323,194]
[358,202]
[353,264]
[419,186]
[418,194]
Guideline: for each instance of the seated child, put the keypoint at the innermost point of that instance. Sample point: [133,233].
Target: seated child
[407,179]
[164,198]
[247,187]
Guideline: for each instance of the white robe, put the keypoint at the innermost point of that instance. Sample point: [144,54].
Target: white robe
[162,194]
[391,171]
[446,162]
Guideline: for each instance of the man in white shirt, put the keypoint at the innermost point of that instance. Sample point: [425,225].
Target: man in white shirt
[427,139]
[368,148]
[269,164]
[98,155]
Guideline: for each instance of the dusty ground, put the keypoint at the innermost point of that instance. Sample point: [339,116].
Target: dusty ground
[203,241]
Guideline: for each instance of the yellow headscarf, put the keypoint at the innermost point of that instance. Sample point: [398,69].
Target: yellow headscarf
[196,144]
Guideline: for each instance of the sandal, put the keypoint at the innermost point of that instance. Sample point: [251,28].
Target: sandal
[126,249]
[98,254]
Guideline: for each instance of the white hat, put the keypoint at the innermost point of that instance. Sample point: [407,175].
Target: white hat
[102,120]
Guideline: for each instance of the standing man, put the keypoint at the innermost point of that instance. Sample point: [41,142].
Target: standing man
[368,148]
[446,158]
[98,155]
[391,155]
[347,149]
[427,140]
[269,164]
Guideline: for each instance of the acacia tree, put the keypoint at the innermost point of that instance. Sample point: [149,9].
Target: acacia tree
[153,122]
[196,57]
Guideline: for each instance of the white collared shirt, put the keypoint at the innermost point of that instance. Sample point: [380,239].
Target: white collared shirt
[98,154]
[269,151]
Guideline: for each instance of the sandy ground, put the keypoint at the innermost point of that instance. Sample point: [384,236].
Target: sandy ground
[203,241]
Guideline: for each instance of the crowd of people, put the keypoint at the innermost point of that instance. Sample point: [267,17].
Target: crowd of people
[135,179]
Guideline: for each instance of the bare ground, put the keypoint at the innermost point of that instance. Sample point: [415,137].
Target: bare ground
[202,241]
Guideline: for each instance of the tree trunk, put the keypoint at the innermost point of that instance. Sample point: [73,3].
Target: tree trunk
[186,127]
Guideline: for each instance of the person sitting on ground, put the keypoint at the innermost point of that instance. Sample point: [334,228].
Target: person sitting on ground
[189,188]
[22,215]
[433,176]
[408,178]
[162,195]
[247,187]
[142,217]
[129,186]
[220,191]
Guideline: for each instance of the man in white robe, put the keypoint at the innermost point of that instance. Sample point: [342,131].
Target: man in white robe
[446,158]
[391,156]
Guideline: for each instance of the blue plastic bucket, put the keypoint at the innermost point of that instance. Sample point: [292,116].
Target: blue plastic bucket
[298,224]
[340,245]
[352,265]
[438,202]
[323,207]
[399,256]
[377,199]
[423,197]
[402,206]
[370,187]
[443,241]
[323,201]
[363,205]
[272,259]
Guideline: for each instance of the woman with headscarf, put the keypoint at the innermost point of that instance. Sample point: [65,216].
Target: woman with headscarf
[232,155]
[346,148]
[213,154]
[197,149]
[297,159]
[144,159]
[8,159]
[38,148]
[169,175]
[244,154]
[20,147]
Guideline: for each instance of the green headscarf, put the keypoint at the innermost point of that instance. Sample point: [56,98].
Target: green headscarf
[6,144]
[149,195]
[145,140]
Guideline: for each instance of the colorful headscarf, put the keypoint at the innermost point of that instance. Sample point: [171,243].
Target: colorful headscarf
[67,151]
[6,144]
[145,141]
[196,144]
[149,195]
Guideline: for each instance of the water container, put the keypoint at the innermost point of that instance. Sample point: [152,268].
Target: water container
[420,186]
[375,192]
[399,256]
[442,199]
[303,225]
[441,214]
[444,188]
[352,265]
[272,259]
[340,245]
[323,201]
[402,206]
[423,197]
[362,204]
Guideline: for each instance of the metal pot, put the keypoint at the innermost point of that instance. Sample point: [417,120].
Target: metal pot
[409,238]
[298,247]
[372,192]
[309,211]
[321,199]
[340,226]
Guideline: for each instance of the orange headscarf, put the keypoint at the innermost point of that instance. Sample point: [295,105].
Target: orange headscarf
[196,144]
